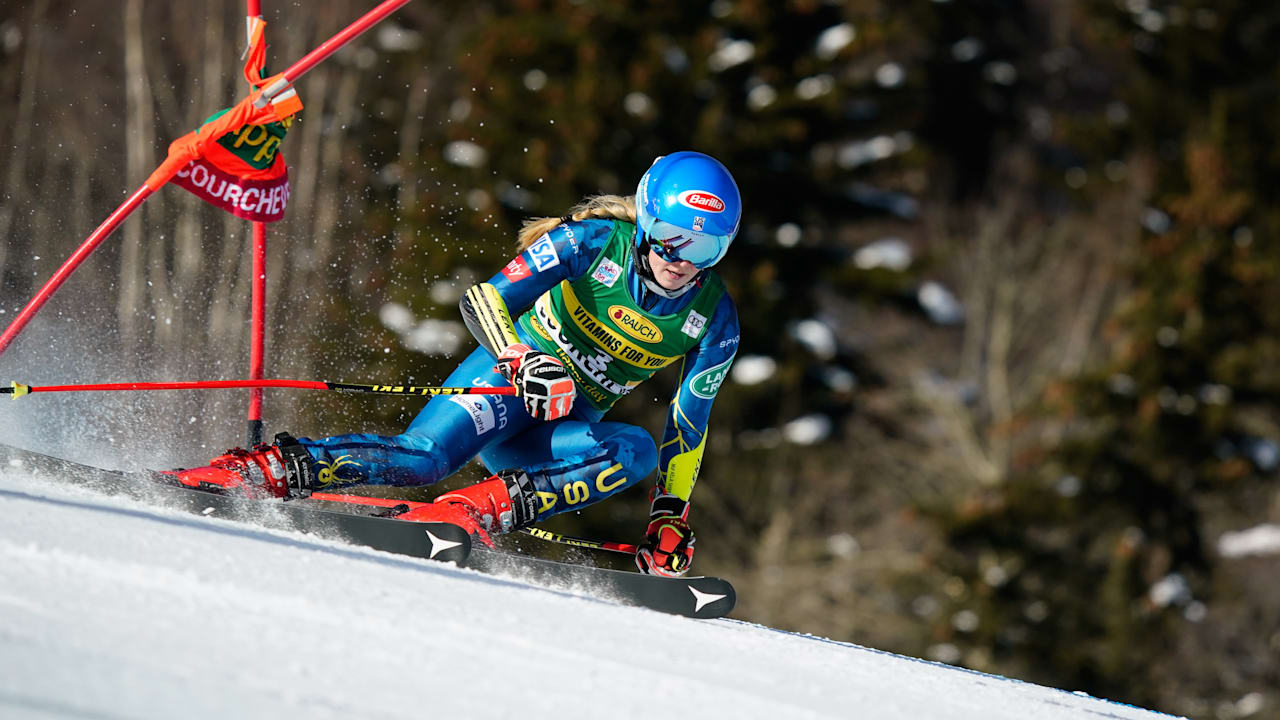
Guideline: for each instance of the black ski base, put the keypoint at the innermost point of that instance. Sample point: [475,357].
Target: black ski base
[375,527]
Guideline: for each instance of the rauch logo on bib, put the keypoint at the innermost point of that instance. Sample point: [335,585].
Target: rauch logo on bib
[634,324]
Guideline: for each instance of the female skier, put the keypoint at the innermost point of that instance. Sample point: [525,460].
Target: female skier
[612,292]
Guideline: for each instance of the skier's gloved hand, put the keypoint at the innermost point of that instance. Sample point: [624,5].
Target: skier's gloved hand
[541,379]
[667,548]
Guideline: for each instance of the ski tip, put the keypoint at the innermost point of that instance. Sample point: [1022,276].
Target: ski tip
[712,597]
[445,542]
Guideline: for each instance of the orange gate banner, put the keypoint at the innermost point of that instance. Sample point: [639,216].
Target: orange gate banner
[233,160]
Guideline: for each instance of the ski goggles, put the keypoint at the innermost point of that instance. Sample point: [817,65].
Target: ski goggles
[675,244]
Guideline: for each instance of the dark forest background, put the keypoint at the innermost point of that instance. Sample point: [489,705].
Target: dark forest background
[1007,391]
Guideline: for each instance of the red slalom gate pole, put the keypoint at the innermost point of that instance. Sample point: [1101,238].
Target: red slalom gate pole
[299,68]
[258,293]
[257,330]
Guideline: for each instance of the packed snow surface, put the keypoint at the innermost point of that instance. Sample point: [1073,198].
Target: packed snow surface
[110,608]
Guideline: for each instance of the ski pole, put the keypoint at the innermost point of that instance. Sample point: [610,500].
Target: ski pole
[18,389]
[617,547]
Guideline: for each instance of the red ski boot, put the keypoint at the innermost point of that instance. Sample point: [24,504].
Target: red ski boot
[280,470]
[505,502]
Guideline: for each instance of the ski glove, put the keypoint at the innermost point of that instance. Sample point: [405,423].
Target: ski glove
[540,379]
[667,549]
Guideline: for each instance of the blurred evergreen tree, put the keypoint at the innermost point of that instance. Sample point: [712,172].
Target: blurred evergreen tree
[1110,535]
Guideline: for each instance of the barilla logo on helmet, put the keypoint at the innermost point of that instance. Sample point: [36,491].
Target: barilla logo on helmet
[702,200]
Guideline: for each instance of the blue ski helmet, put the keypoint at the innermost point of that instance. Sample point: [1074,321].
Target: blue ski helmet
[687,208]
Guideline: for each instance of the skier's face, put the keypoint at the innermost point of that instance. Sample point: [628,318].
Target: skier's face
[671,275]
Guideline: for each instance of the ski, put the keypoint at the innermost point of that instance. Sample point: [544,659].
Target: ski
[696,597]
[434,541]
[373,522]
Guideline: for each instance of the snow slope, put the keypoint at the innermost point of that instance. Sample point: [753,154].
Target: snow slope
[115,609]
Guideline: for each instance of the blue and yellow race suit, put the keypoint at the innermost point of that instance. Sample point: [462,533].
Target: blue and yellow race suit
[573,461]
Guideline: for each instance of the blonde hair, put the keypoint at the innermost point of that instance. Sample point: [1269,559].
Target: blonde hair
[601,207]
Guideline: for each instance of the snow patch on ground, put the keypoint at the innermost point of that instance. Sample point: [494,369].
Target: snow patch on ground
[111,608]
